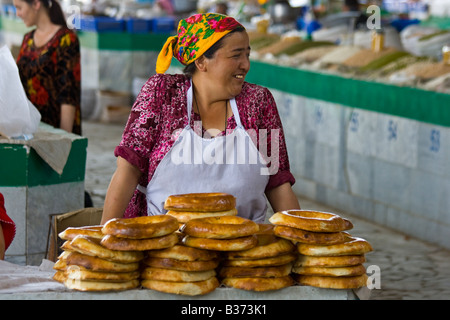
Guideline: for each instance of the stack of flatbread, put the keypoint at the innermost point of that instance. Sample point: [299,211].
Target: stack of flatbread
[338,266]
[185,207]
[180,270]
[329,257]
[267,266]
[85,265]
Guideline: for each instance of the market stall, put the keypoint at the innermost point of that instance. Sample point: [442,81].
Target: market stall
[377,121]
[207,255]
[44,176]
[366,131]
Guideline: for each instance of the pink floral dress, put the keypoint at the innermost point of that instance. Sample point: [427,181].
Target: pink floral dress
[160,111]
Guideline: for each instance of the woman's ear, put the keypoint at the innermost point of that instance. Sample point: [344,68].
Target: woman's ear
[36,4]
[201,64]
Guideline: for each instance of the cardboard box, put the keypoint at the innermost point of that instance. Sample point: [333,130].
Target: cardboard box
[60,222]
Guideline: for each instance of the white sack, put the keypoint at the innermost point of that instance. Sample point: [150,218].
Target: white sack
[18,116]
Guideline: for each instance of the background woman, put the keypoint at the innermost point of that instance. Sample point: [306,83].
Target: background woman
[49,64]
[165,120]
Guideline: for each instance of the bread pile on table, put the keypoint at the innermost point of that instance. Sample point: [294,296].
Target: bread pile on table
[85,265]
[185,207]
[103,258]
[253,258]
[226,233]
[329,257]
[202,246]
[265,267]
[180,270]
[208,221]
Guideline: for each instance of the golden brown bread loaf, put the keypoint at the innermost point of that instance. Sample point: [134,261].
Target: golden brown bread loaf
[299,235]
[264,267]
[258,284]
[94,263]
[164,274]
[310,220]
[348,271]
[183,288]
[90,231]
[81,273]
[242,243]
[181,265]
[337,261]
[92,247]
[59,276]
[88,273]
[332,282]
[185,216]
[184,253]
[141,227]
[265,234]
[269,261]
[85,285]
[223,227]
[126,244]
[265,272]
[203,202]
[353,246]
[276,248]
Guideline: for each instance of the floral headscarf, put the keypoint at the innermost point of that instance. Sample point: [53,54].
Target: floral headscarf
[195,35]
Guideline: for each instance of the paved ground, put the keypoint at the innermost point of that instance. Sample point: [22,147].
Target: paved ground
[409,268]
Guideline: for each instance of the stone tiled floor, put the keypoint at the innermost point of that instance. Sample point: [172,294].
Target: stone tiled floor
[409,268]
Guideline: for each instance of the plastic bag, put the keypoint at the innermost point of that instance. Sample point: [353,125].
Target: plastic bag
[18,116]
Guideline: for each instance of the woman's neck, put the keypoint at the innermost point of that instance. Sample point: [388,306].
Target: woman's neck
[45,29]
[206,94]
[213,109]
[43,22]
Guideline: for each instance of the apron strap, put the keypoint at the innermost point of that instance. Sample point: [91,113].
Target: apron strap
[234,108]
[141,188]
[189,102]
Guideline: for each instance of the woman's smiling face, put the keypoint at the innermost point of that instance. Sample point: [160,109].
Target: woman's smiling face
[230,64]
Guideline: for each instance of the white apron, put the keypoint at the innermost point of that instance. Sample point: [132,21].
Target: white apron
[230,164]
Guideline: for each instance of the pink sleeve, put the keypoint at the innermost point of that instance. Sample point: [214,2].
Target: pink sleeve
[270,120]
[280,178]
[142,127]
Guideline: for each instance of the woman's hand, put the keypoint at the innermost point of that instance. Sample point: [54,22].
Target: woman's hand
[282,198]
[121,188]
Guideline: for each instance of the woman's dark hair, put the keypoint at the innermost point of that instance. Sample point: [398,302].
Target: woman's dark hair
[353,5]
[54,11]
[190,68]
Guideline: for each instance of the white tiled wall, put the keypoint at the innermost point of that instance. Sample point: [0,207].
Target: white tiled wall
[391,170]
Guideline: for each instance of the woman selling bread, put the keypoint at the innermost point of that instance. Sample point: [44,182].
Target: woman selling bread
[183,128]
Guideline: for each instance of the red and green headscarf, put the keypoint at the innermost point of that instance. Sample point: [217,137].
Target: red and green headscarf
[195,35]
